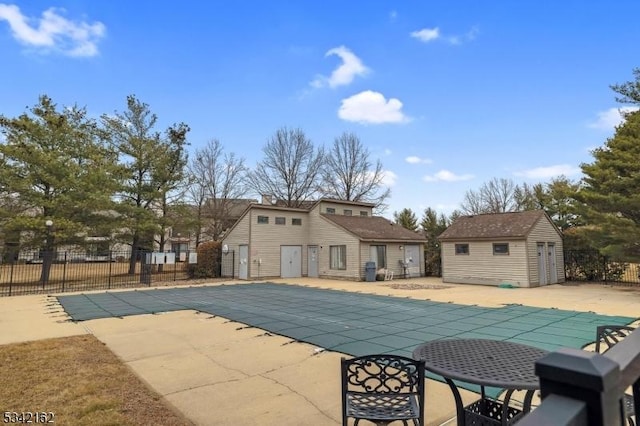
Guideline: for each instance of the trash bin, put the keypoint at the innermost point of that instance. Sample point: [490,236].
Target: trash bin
[370,271]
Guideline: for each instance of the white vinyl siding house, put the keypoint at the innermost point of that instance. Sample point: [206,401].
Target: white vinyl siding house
[545,233]
[308,234]
[481,266]
[512,248]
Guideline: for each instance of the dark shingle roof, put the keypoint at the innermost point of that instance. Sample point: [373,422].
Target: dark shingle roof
[374,228]
[492,226]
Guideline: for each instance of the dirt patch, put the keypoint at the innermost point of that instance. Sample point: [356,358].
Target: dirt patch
[414,286]
[78,381]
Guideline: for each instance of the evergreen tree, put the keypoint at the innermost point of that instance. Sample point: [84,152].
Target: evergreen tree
[611,192]
[432,226]
[154,164]
[407,219]
[55,167]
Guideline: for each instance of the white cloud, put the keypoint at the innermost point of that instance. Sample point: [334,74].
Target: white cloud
[53,31]
[387,151]
[609,119]
[389,178]
[393,15]
[372,107]
[417,160]
[549,171]
[426,35]
[447,176]
[350,68]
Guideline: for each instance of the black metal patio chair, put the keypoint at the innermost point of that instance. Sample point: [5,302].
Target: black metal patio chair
[606,337]
[383,389]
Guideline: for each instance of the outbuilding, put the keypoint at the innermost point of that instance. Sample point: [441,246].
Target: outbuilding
[520,249]
[324,239]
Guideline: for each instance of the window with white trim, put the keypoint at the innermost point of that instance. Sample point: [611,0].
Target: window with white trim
[338,257]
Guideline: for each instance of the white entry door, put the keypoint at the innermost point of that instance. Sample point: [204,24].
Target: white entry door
[542,265]
[412,260]
[312,261]
[553,270]
[290,261]
[243,269]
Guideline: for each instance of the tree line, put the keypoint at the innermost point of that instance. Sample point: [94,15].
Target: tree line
[121,177]
[601,211]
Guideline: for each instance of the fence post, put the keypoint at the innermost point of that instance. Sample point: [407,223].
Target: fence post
[604,267]
[233,264]
[583,376]
[110,260]
[64,271]
[13,262]
[145,268]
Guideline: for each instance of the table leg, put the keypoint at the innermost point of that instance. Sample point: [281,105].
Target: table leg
[459,407]
[505,405]
[527,401]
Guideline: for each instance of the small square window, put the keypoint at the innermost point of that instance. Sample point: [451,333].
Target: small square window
[363,213]
[263,219]
[331,210]
[296,221]
[462,248]
[281,221]
[348,212]
[500,248]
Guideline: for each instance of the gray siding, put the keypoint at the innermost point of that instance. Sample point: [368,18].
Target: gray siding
[325,234]
[239,235]
[339,208]
[544,232]
[481,266]
[266,240]
[394,256]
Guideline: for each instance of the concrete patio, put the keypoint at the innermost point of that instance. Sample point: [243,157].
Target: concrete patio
[219,372]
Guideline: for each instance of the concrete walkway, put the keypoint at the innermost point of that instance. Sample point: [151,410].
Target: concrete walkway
[219,373]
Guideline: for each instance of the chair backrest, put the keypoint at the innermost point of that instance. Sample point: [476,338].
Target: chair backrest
[382,374]
[608,335]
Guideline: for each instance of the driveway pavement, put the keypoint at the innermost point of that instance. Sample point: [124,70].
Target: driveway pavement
[221,372]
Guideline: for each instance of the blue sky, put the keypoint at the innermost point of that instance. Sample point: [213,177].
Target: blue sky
[447,94]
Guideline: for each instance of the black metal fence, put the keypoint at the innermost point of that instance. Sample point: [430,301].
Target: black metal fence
[63,271]
[590,265]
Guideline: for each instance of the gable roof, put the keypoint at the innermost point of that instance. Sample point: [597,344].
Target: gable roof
[508,225]
[373,228]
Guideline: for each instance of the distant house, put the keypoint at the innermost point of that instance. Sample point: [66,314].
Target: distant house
[217,217]
[326,238]
[523,249]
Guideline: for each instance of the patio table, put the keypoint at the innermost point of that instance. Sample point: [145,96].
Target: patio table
[484,362]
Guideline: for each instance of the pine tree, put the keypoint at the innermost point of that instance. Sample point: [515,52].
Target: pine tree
[407,219]
[611,192]
[55,167]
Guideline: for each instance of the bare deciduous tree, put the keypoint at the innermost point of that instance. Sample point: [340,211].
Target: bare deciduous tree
[291,168]
[349,174]
[495,196]
[218,180]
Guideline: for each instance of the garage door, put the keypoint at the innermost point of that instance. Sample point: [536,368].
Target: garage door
[290,261]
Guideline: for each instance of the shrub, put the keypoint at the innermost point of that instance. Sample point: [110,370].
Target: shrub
[208,265]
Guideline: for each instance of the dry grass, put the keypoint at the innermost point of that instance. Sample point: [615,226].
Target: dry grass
[81,381]
[70,272]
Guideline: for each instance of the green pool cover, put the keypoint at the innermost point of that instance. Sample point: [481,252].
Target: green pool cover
[351,323]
